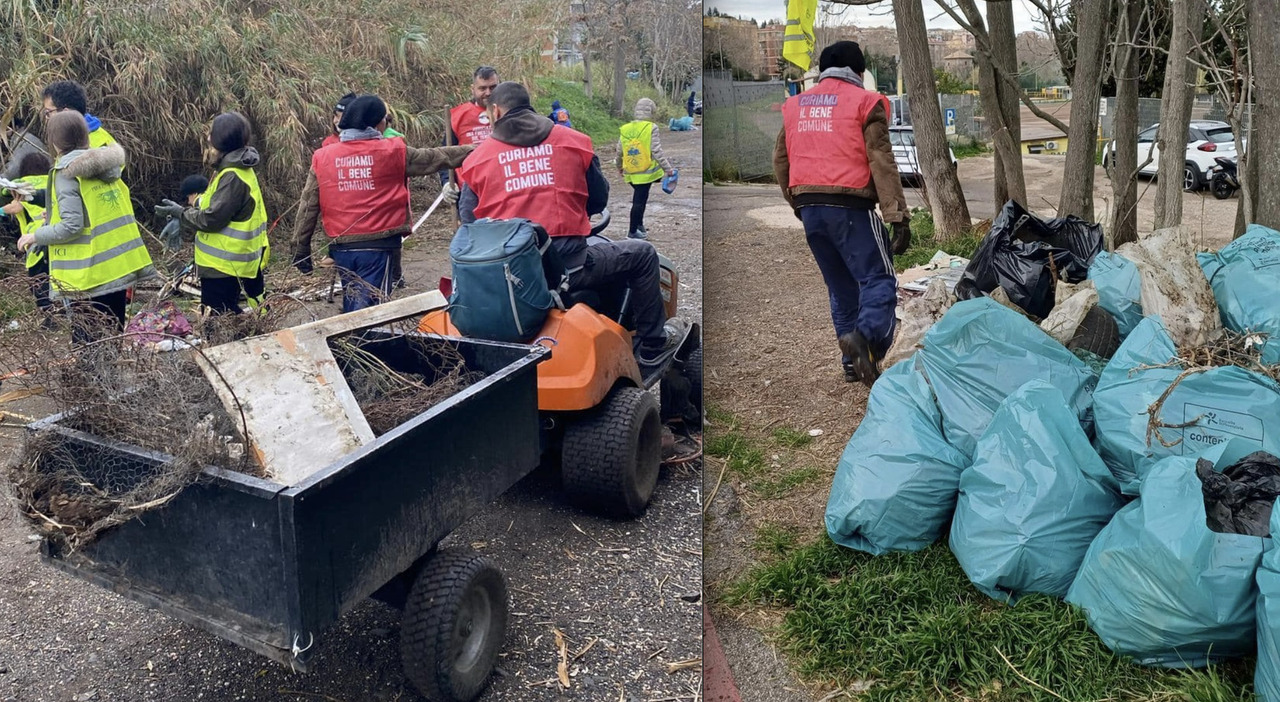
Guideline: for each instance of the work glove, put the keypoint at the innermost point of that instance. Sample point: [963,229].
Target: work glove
[451,192]
[302,261]
[171,235]
[901,237]
[169,208]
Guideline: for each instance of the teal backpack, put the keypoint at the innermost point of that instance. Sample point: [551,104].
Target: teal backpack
[500,289]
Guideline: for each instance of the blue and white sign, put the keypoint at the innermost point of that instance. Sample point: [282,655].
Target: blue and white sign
[949,116]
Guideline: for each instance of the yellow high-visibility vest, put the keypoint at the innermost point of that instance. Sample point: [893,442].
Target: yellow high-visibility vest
[638,166]
[100,137]
[31,218]
[239,249]
[107,249]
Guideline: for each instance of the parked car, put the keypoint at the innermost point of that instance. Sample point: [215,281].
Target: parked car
[1206,140]
[903,140]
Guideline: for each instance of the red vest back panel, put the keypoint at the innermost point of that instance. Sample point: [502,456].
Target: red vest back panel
[470,123]
[546,184]
[825,144]
[362,186]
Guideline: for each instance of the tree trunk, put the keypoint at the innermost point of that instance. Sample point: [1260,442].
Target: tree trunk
[586,72]
[1004,46]
[1264,147]
[1086,88]
[619,75]
[945,197]
[1124,170]
[1175,110]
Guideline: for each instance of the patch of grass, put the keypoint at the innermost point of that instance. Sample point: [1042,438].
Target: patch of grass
[912,624]
[786,436]
[762,463]
[924,243]
[774,540]
[773,489]
[969,149]
[744,459]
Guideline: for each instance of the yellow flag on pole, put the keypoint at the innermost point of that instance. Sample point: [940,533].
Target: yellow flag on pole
[797,42]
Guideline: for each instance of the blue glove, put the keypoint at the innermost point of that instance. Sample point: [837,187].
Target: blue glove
[171,235]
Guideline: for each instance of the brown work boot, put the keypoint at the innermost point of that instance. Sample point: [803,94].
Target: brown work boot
[854,346]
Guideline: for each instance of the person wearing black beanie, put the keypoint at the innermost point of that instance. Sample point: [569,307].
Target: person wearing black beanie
[835,165]
[229,219]
[358,187]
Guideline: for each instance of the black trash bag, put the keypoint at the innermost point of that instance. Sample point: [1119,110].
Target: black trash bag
[1239,499]
[1021,254]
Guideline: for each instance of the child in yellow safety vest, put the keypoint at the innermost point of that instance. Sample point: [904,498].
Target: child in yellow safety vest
[95,250]
[34,169]
[641,161]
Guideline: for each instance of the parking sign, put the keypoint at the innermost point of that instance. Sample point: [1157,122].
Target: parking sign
[950,115]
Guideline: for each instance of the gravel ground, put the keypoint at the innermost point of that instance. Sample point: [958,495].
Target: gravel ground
[627,595]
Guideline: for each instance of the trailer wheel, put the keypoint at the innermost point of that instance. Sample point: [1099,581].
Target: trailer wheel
[611,456]
[693,371]
[454,623]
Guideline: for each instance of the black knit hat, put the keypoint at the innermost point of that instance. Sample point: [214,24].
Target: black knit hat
[194,184]
[364,112]
[343,102]
[843,54]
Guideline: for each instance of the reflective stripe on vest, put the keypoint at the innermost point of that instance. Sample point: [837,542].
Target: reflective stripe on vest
[825,142]
[470,123]
[638,165]
[103,252]
[362,186]
[31,218]
[546,183]
[240,248]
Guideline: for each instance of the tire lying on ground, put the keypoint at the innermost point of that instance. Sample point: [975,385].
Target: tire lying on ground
[611,455]
[455,620]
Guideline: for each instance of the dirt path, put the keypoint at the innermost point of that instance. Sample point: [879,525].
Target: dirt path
[631,587]
[774,364]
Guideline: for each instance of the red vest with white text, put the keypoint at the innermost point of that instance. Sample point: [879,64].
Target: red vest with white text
[825,145]
[546,183]
[362,186]
[470,123]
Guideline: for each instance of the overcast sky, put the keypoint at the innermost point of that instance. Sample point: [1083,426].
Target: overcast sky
[873,16]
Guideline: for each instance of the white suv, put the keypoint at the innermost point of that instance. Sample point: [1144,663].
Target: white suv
[1206,139]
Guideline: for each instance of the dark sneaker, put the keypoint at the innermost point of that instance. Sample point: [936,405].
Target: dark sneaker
[651,359]
[400,283]
[638,234]
[850,373]
[865,364]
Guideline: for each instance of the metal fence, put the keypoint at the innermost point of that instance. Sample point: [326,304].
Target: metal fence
[1207,107]
[741,121]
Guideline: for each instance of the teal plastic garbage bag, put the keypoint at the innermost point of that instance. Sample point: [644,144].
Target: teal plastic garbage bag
[1158,586]
[1034,499]
[1266,677]
[1217,405]
[895,486]
[1119,287]
[980,352]
[1245,276]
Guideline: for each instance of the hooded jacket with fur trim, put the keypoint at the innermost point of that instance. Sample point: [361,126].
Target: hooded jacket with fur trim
[104,163]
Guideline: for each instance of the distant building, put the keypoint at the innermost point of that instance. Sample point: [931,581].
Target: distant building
[959,64]
[770,37]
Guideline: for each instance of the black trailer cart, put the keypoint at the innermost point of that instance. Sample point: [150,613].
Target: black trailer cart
[270,567]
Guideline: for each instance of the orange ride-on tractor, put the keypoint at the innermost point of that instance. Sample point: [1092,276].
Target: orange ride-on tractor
[598,416]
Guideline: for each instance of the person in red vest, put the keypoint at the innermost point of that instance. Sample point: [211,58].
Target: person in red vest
[835,164]
[358,188]
[534,169]
[469,122]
